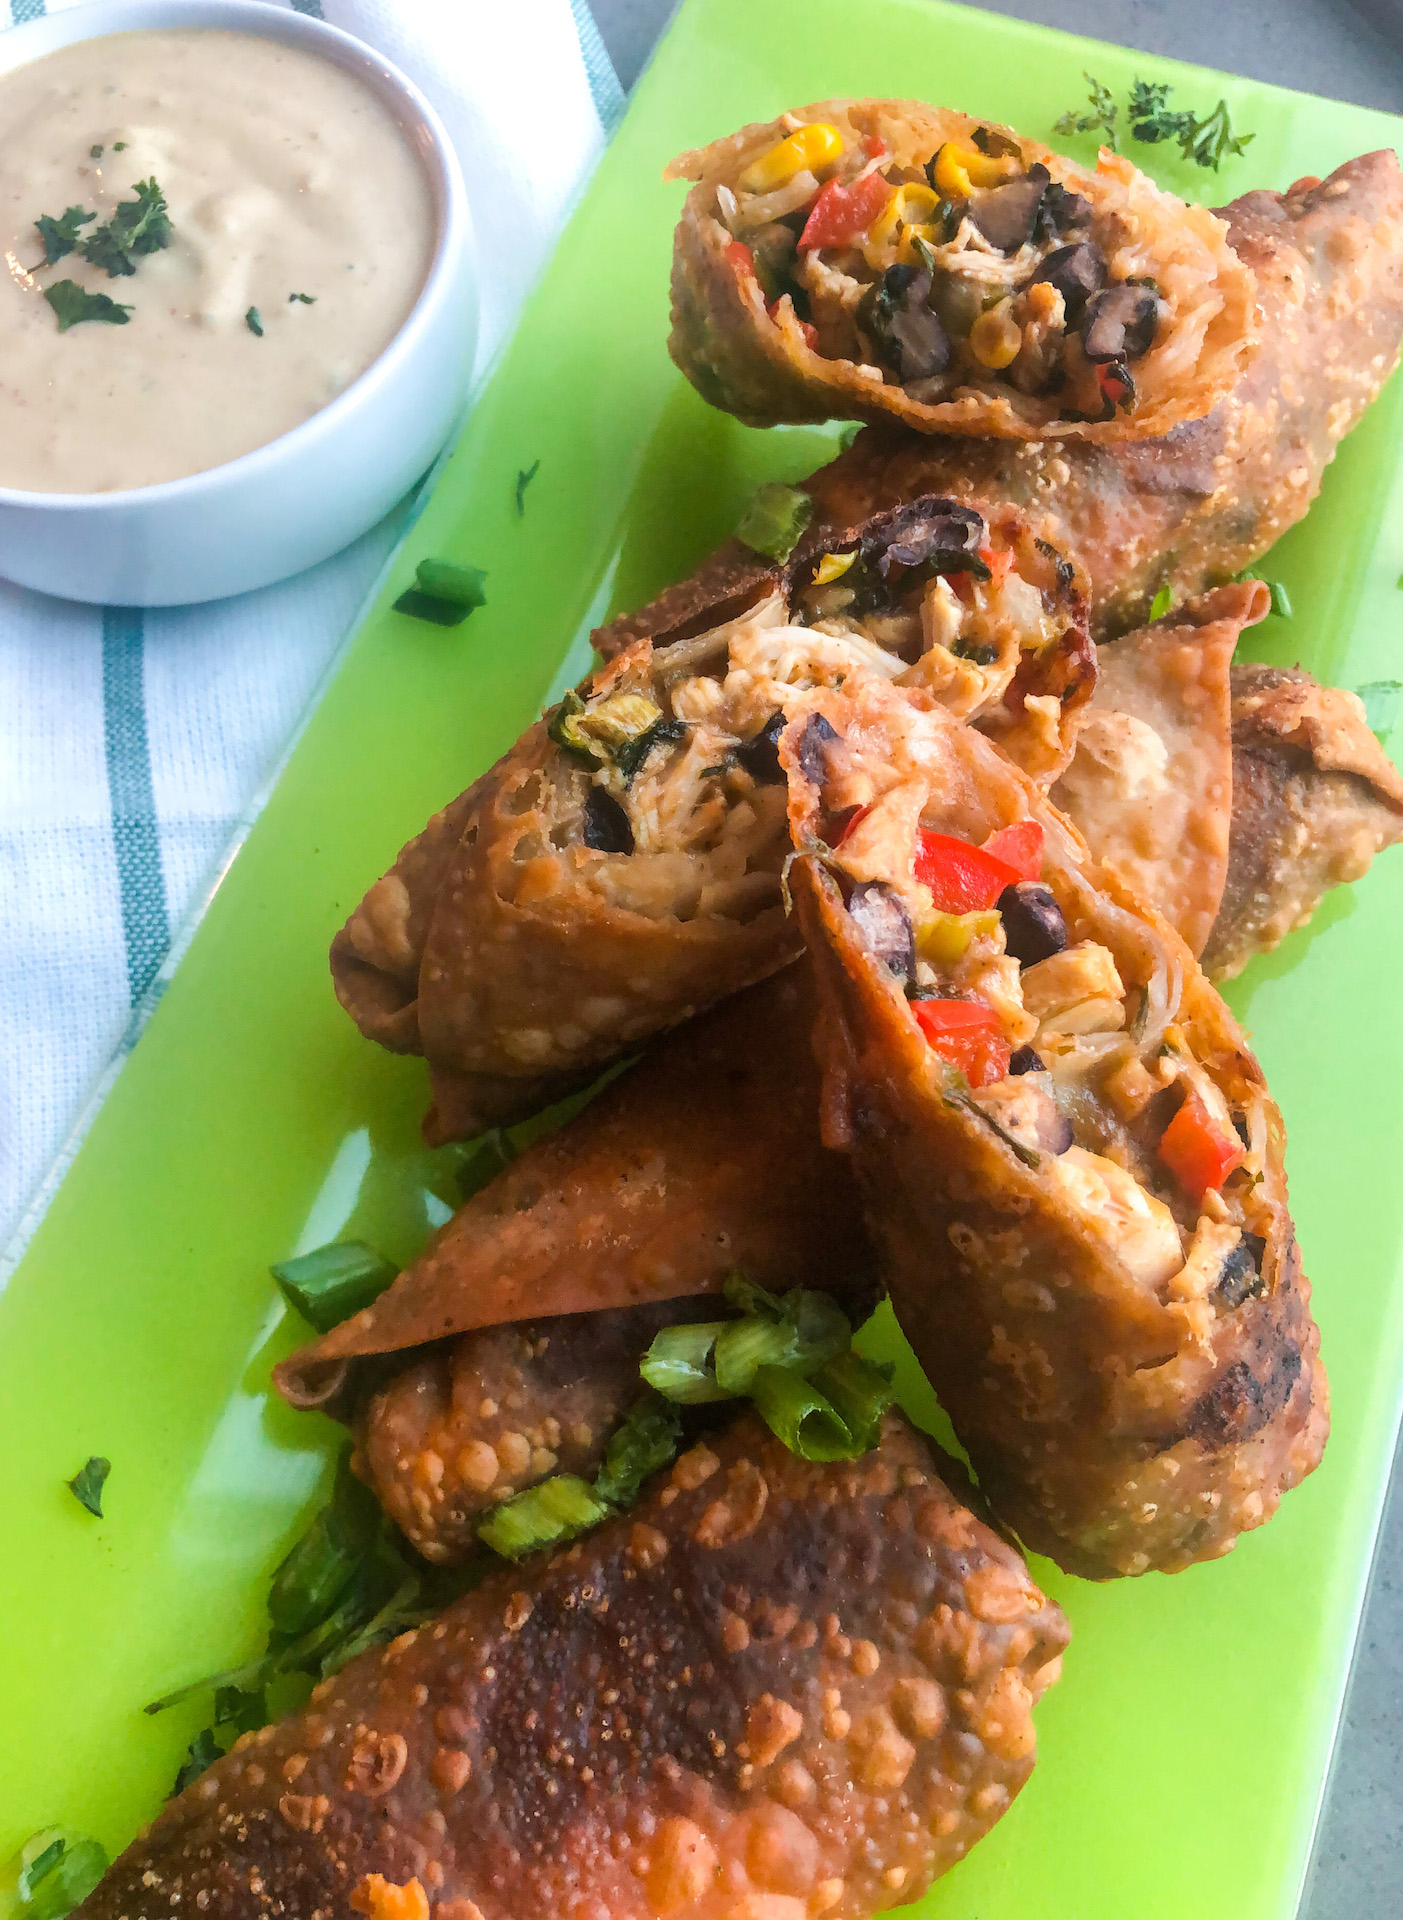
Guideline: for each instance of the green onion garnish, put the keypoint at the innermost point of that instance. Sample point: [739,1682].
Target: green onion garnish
[1381,699]
[1280,600]
[798,1414]
[1161,603]
[324,1561]
[332,1283]
[555,1510]
[203,1751]
[443,592]
[678,1364]
[646,1441]
[774,522]
[859,1394]
[87,1484]
[253,320]
[56,1875]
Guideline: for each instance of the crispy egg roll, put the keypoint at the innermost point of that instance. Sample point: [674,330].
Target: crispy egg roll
[1191,507]
[878,259]
[1151,784]
[773,1690]
[1197,505]
[1070,1161]
[1315,797]
[703,1157]
[619,868]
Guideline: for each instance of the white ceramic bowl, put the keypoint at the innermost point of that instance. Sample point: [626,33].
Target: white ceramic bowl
[308,493]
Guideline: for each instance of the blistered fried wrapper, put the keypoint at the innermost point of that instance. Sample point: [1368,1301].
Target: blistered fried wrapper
[597,887]
[1135,1374]
[772,1689]
[754,357]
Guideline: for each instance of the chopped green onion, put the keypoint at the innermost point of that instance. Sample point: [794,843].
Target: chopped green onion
[744,1346]
[492,1154]
[87,1484]
[1161,603]
[604,730]
[774,522]
[854,427]
[253,320]
[303,299]
[324,1561]
[555,1510]
[1381,698]
[332,1283]
[58,1877]
[203,1752]
[233,1707]
[797,1413]
[646,1441]
[859,1394]
[525,475]
[1280,600]
[678,1364]
[443,592]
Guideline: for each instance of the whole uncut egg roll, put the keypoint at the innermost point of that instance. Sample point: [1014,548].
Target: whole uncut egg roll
[775,1689]
[1070,1162]
[879,259]
[619,868]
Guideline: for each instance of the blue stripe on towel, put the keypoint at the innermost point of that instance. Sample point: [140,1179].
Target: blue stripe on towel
[314,7]
[145,924]
[608,95]
[22,10]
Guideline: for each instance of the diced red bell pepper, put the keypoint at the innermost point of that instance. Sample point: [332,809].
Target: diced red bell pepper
[841,215]
[968,1034]
[1117,387]
[806,327]
[741,258]
[874,146]
[1197,1152]
[1019,847]
[998,560]
[961,878]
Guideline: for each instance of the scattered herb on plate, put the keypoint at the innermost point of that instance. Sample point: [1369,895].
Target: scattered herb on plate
[330,1284]
[306,299]
[87,1484]
[523,480]
[443,592]
[253,320]
[96,151]
[57,1874]
[1381,702]
[137,227]
[1207,140]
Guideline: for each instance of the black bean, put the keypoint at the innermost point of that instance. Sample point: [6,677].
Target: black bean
[813,747]
[1078,272]
[932,529]
[1121,322]
[880,915]
[607,828]
[1055,1131]
[1025,1060]
[760,755]
[1033,925]
[1241,1272]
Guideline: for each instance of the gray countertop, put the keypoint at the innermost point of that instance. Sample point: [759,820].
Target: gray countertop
[1351,52]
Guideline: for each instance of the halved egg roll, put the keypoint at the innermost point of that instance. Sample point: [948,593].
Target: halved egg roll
[773,1690]
[1070,1161]
[871,259]
[1315,797]
[1192,508]
[1151,784]
[619,868]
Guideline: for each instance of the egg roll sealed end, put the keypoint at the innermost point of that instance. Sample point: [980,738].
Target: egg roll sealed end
[879,259]
[1191,508]
[703,1157]
[619,868]
[1315,797]
[772,1690]
[1151,785]
[1070,1162]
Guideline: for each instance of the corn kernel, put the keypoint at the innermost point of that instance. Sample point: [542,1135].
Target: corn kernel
[995,337]
[946,936]
[814,146]
[959,169]
[833,566]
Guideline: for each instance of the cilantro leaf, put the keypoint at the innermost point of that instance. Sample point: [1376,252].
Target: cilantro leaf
[1104,114]
[253,320]
[86,1484]
[61,236]
[307,299]
[204,1751]
[137,227]
[523,481]
[72,303]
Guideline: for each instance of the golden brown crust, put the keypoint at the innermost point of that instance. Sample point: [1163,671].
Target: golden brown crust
[1151,783]
[1115,1426]
[763,370]
[1315,797]
[773,1687]
[654,1192]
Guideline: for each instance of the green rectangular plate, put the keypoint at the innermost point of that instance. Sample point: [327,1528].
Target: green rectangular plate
[1183,1754]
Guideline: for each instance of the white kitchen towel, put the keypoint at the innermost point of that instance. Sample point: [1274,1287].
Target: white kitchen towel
[135,745]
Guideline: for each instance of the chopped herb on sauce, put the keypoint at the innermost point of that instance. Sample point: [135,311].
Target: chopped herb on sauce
[137,227]
[307,299]
[61,236]
[87,1483]
[72,304]
[119,146]
[96,152]
[523,481]
[253,320]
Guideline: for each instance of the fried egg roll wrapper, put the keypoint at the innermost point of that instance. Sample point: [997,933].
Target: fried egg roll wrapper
[1315,797]
[703,1157]
[1130,1362]
[1151,783]
[619,869]
[859,321]
[469,1422]
[773,1689]
[1192,507]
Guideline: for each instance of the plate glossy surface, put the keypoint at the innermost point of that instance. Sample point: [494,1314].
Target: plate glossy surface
[1183,1753]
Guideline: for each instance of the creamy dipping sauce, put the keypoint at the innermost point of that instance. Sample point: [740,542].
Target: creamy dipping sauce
[283,175]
